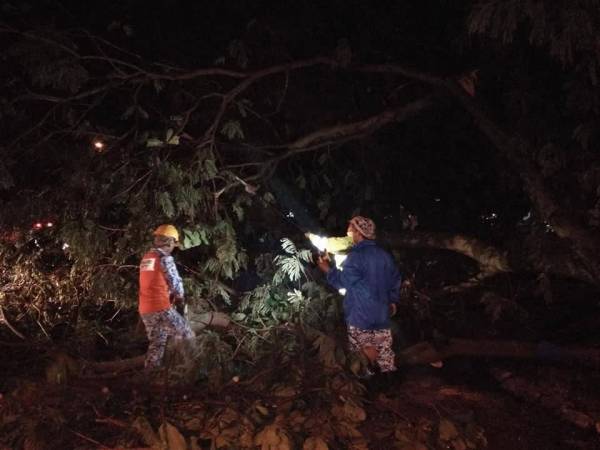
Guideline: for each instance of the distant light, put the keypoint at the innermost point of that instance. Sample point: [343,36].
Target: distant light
[290,214]
[38,225]
[99,145]
[49,225]
[437,199]
[65,246]
[490,217]
[342,291]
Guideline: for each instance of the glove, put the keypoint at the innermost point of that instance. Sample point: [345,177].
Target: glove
[179,304]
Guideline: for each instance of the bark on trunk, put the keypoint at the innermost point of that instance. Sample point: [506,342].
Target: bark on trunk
[198,322]
[518,151]
[489,258]
[426,353]
[555,403]
[492,260]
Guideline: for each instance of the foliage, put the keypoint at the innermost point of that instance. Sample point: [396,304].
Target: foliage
[566,28]
[111,142]
[288,295]
[290,265]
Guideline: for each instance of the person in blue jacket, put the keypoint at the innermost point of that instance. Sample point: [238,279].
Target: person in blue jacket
[372,283]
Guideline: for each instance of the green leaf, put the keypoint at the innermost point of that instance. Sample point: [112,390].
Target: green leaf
[210,168]
[154,142]
[232,130]
[191,238]
[173,141]
[163,199]
[238,317]
[239,211]
[301,181]
[268,198]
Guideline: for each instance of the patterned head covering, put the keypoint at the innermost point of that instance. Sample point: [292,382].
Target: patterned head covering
[364,225]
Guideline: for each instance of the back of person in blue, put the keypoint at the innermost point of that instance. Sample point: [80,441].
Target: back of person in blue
[372,283]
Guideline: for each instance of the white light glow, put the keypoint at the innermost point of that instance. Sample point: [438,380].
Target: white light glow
[49,224]
[339,259]
[342,291]
[99,145]
[318,241]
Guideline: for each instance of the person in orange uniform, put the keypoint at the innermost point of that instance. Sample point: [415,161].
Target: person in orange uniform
[161,288]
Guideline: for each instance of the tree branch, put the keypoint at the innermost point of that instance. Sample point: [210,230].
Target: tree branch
[362,127]
[489,258]
[517,150]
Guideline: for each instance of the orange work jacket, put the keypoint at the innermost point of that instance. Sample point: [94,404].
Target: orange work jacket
[154,290]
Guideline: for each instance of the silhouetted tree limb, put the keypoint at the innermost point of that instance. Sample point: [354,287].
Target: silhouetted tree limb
[426,352]
[552,400]
[491,259]
[518,151]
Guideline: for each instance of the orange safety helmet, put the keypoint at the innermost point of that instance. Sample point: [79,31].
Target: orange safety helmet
[167,230]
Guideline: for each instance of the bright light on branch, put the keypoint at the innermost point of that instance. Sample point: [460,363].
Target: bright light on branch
[318,241]
[322,243]
[99,145]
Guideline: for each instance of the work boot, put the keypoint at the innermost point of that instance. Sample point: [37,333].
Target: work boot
[382,383]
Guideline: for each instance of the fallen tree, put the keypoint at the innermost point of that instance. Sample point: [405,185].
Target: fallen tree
[493,260]
[556,403]
[424,353]
[427,352]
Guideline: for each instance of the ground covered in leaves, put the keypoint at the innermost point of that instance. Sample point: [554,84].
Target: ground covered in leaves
[290,403]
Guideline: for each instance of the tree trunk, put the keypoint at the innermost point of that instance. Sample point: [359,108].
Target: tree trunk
[489,258]
[198,322]
[518,151]
[426,353]
[552,400]
[493,260]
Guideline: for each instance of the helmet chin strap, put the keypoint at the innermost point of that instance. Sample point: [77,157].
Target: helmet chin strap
[165,245]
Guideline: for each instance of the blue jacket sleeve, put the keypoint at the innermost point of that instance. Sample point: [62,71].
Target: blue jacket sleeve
[349,277]
[172,275]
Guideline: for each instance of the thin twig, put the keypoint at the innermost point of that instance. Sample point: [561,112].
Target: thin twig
[7,323]
[89,439]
